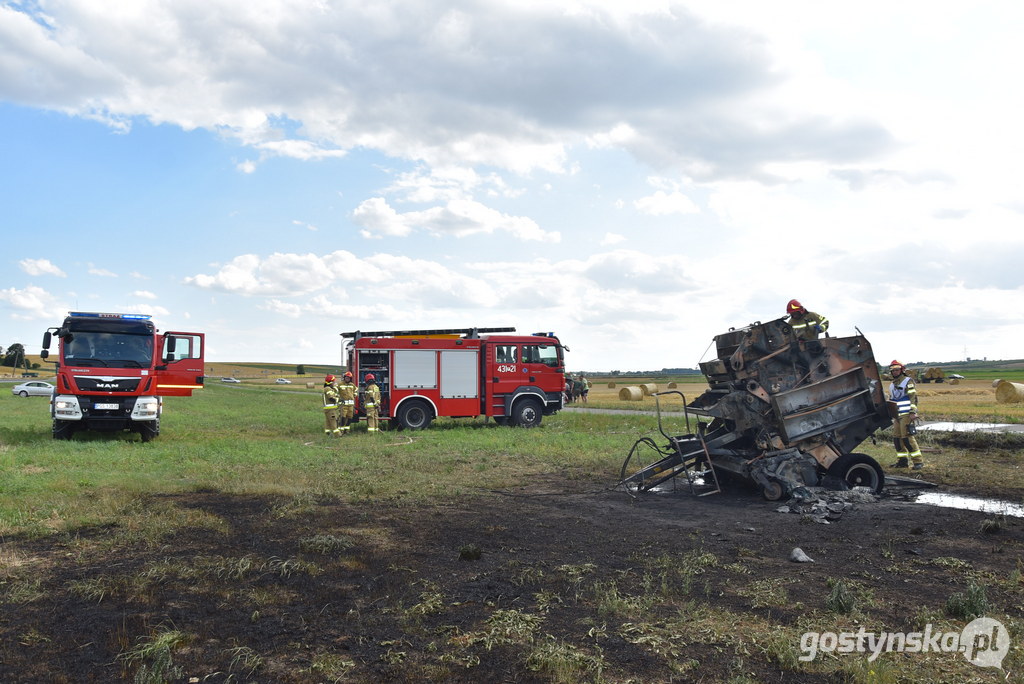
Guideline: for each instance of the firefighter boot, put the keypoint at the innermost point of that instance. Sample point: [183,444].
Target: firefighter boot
[901,462]
[919,465]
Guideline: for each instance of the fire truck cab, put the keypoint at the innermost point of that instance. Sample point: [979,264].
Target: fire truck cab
[423,374]
[113,370]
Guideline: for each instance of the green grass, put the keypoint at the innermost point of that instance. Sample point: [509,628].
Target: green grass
[266,440]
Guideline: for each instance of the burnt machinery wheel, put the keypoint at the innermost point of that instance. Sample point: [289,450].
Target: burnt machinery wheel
[859,470]
[773,491]
[414,415]
[643,469]
[63,429]
[527,413]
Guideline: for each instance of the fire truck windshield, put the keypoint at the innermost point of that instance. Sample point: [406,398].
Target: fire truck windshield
[110,350]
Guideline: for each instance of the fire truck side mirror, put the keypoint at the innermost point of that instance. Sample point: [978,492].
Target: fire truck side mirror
[46,340]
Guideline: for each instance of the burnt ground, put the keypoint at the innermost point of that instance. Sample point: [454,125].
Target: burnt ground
[562,581]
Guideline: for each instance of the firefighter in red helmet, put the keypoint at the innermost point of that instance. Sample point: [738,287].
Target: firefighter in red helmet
[330,397]
[347,401]
[903,393]
[806,325]
[371,402]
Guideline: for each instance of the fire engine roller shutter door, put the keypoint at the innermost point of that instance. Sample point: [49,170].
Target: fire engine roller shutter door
[459,374]
[415,369]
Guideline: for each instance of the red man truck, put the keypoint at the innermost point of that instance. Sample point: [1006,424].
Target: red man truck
[113,370]
[423,374]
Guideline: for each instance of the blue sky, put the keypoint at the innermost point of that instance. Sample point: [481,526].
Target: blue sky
[635,179]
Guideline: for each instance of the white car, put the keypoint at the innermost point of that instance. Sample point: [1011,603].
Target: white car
[955,376]
[36,388]
[230,380]
[283,381]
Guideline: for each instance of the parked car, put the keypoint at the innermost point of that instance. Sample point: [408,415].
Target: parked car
[283,381]
[36,388]
[230,380]
[955,376]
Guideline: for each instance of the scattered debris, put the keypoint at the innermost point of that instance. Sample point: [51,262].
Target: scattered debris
[825,506]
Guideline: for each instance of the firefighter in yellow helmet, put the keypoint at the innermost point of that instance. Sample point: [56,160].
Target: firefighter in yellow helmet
[903,393]
[330,396]
[371,402]
[347,401]
[806,325]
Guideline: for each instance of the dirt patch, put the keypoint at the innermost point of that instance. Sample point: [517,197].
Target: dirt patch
[561,581]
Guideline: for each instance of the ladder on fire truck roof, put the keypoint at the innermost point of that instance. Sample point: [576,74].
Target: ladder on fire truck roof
[471,333]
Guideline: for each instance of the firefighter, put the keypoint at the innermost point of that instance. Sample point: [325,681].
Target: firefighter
[806,325]
[371,402]
[347,400]
[330,394]
[904,394]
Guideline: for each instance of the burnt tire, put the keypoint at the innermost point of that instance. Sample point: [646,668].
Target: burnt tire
[859,470]
[527,413]
[773,491]
[414,415]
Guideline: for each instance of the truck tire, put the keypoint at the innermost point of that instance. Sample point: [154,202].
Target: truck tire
[63,429]
[527,413]
[149,431]
[414,415]
[859,470]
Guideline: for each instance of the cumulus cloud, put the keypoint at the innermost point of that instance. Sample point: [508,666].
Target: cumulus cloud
[101,272]
[31,303]
[663,203]
[447,84]
[36,267]
[457,218]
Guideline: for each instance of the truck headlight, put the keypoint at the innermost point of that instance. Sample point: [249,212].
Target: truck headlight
[146,408]
[66,408]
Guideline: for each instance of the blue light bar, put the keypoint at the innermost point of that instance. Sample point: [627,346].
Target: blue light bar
[92,314]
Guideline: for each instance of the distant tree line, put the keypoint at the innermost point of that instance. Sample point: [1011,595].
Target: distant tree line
[14,357]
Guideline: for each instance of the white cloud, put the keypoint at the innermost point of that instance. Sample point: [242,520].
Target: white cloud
[662,203]
[143,294]
[31,303]
[457,218]
[612,239]
[38,267]
[101,272]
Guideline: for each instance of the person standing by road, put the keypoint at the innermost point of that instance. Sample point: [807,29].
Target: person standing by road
[806,325]
[330,396]
[904,394]
[586,388]
[371,402]
[347,401]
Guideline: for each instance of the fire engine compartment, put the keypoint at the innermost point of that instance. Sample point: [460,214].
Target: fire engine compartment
[423,374]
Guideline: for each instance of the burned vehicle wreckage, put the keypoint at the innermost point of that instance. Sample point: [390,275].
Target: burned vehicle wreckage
[780,412]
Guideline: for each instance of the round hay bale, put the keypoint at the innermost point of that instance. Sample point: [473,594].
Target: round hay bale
[672,385]
[995,383]
[1009,392]
[631,394]
[311,385]
[954,381]
[611,385]
[648,388]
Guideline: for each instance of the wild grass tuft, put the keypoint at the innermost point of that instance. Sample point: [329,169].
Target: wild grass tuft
[968,605]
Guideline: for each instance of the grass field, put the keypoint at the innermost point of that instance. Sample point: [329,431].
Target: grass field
[117,513]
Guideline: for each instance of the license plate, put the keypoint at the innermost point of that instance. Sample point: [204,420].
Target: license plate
[107,407]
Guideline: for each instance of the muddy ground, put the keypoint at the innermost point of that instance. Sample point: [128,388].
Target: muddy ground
[509,586]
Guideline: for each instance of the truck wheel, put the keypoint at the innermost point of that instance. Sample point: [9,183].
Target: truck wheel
[772,491]
[414,415]
[63,429]
[149,431]
[858,470]
[527,413]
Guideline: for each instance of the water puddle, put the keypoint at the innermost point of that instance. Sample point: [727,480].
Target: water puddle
[971,503]
[965,427]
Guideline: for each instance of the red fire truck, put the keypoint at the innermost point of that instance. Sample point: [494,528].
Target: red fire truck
[422,374]
[114,369]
